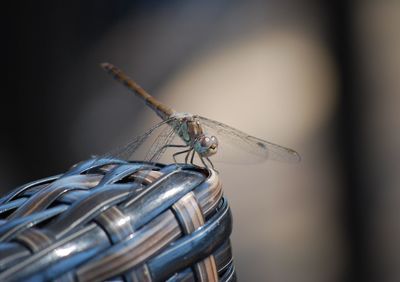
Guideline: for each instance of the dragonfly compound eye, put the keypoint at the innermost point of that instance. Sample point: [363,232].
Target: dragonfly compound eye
[209,145]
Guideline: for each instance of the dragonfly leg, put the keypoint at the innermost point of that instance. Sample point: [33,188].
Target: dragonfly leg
[187,156]
[212,165]
[168,146]
[192,158]
[179,153]
[210,162]
[204,163]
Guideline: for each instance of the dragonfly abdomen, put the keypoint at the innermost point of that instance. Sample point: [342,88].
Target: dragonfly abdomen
[163,111]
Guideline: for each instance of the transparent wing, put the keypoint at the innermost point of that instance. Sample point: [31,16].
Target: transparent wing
[256,146]
[160,144]
[126,152]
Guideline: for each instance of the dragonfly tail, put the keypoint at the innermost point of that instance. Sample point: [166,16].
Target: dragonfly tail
[159,108]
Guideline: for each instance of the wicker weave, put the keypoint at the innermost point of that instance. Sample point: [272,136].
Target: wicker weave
[109,219]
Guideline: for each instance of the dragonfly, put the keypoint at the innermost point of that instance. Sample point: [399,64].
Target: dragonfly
[194,132]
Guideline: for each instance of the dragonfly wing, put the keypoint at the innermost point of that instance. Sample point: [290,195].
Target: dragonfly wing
[158,147]
[261,148]
[126,152]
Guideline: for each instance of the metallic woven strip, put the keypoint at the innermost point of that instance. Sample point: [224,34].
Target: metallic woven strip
[10,229]
[87,241]
[20,190]
[6,207]
[204,241]
[189,213]
[206,269]
[92,164]
[48,195]
[229,275]
[209,193]
[223,260]
[140,274]
[9,253]
[128,254]
[223,257]
[116,223]
[120,172]
[146,177]
[161,195]
[87,208]
[186,275]
[191,217]
[34,239]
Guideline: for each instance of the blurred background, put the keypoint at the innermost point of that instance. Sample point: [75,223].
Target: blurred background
[321,77]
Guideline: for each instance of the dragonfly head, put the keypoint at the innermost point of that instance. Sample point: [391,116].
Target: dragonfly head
[206,145]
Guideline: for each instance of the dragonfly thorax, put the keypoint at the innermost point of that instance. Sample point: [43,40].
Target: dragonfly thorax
[188,128]
[191,131]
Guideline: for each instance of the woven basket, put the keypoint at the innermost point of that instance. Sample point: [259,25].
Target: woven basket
[110,220]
